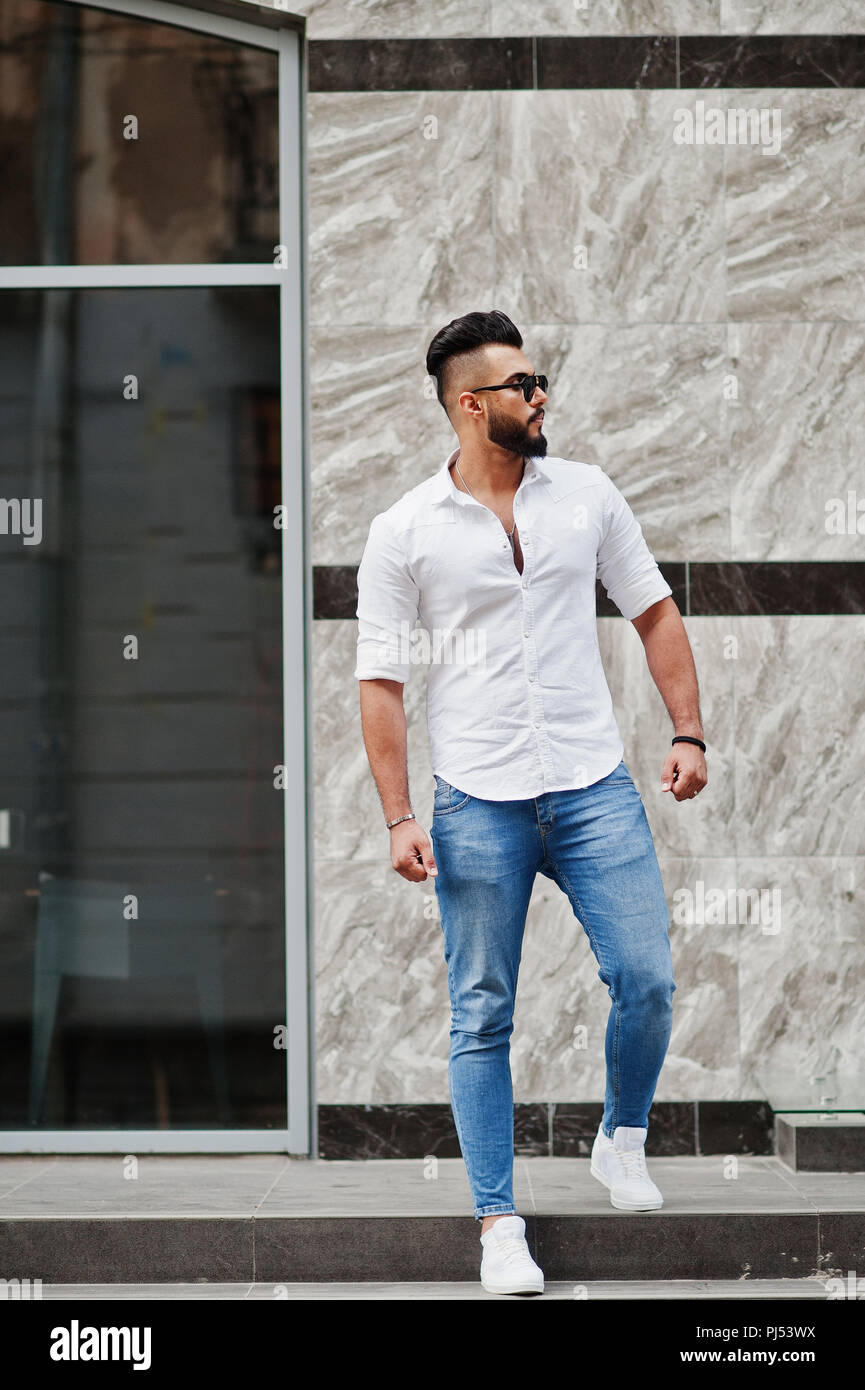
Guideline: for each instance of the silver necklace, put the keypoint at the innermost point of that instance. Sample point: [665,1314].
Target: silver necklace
[509,534]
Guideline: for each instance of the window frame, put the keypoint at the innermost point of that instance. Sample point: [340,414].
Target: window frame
[283,34]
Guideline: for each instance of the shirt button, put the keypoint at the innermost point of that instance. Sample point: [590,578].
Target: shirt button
[537,723]
[531,677]
[525,634]
[525,584]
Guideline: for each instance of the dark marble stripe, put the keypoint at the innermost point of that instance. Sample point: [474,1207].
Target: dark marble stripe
[776,60]
[722,588]
[544,1129]
[734,1127]
[581,63]
[672,1128]
[419,65]
[414,1131]
[386,1131]
[334,591]
[532,1130]
[607,62]
[778,588]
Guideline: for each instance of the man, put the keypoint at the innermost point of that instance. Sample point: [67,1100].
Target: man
[499,552]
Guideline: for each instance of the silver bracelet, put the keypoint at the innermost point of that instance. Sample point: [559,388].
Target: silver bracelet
[391,823]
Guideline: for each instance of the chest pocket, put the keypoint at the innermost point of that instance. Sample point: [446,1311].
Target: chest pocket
[572,528]
[430,547]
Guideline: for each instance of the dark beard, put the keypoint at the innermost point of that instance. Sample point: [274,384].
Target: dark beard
[516,438]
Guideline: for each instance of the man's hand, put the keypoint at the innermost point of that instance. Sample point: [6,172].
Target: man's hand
[684,771]
[411,852]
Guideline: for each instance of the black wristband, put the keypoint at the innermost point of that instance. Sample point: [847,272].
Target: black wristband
[685,738]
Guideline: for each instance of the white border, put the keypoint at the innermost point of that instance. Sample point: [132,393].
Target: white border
[300,1136]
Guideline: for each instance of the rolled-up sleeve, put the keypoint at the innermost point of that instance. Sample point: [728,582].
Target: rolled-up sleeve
[626,566]
[387,606]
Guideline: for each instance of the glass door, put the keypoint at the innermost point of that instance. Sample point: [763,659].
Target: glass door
[154,818]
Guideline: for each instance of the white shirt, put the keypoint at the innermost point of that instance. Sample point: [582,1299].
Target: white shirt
[517,698]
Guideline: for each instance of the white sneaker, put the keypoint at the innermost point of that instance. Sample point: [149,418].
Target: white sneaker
[620,1164]
[507,1265]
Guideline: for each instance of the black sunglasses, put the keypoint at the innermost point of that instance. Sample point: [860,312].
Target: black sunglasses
[527,385]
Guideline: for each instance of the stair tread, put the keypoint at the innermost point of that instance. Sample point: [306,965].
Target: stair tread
[377,1291]
[278,1186]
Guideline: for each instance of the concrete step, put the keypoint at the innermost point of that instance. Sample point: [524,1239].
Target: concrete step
[264,1219]
[674,1290]
[821,1143]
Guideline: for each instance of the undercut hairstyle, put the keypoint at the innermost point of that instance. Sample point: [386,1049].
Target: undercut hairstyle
[460,344]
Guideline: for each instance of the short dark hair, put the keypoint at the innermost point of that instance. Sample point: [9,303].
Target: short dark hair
[465,335]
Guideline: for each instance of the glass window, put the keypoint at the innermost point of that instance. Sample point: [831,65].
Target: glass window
[128,142]
[142,918]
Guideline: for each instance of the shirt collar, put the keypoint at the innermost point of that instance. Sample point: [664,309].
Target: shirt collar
[443,485]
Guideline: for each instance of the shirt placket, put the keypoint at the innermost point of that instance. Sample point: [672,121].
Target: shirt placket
[530,655]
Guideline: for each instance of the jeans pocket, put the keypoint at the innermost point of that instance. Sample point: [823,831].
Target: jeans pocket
[448,798]
[619,774]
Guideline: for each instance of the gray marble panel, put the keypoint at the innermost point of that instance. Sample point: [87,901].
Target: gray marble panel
[643,402]
[376,429]
[606,17]
[790,17]
[796,810]
[400,206]
[704,826]
[802,990]
[702,1061]
[557,1048]
[794,219]
[368,19]
[641,334]
[600,216]
[794,441]
[348,818]
[392,19]
[557,1051]
[383,1010]
[799,735]
[382,1006]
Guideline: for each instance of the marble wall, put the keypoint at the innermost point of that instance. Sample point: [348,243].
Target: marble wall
[710,357]
[353,19]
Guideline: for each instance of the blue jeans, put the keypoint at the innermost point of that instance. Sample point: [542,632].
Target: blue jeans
[595,843]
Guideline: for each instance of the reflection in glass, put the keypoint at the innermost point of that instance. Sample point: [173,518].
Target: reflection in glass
[128,142]
[142,958]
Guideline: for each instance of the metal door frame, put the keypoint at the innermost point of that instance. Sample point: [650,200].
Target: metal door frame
[287,41]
